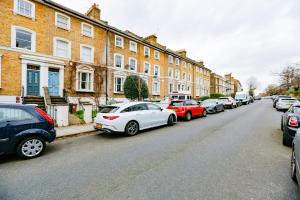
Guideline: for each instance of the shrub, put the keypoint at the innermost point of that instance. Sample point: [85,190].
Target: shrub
[216,95]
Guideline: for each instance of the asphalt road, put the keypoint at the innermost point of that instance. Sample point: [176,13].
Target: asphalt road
[232,155]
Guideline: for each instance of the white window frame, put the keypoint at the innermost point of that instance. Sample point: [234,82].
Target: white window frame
[81,56]
[69,21]
[169,88]
[69,47]
[184,64]
[184,76]
[135,67]
[92,30]
[156,54]
[177,61]
[131,45]
[189,77]
[170,59]
[122,61]
[14,37]
[158,74]
[122,84]
[16,9]
[177,74]
[83,69]
[158,88]
[122,41]
[149,71]
[145,47]
[172,70]
[189,65]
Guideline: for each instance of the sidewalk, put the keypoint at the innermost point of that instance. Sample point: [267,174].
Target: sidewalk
[74,130]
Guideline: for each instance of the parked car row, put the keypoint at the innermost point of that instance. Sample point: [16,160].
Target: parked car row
[290,121]
[25,129]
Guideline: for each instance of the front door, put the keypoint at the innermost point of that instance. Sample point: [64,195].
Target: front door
[53,82]
[33,81]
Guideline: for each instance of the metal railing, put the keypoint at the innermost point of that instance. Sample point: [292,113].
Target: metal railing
[52,112]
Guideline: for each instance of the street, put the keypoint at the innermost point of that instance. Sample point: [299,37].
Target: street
[237,154]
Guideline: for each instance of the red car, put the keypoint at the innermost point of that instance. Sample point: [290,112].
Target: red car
[187,109]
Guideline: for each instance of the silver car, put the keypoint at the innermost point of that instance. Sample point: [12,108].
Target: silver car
[295,159]
[285,103]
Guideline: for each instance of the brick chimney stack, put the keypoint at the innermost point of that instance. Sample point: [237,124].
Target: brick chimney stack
[94,12]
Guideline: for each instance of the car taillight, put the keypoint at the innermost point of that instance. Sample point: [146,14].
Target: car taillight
[110,117]
[293,122]
[44,115]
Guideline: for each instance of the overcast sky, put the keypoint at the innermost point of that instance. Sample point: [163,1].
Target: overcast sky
[245,37]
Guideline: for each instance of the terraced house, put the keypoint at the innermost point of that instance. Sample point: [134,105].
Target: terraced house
[50,54]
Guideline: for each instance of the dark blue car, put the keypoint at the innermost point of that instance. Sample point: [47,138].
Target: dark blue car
[290,123]
[24,129]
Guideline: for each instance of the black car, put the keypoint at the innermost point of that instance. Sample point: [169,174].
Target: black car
[290,123]
[277,98]
[24,129]
[213,105]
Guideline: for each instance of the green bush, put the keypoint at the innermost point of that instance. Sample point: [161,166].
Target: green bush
[94,113]
[135,87]
[216,95]
[204,98]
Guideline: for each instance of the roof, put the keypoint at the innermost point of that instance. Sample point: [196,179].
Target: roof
[127,34]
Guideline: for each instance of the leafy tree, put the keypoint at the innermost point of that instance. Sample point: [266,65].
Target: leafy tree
[135,88]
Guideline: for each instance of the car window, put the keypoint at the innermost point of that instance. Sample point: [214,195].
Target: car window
[296,109]
[176,103]
[153,107]
[137,107]
[194,103]
[108,109]
[188,103]
[14,114]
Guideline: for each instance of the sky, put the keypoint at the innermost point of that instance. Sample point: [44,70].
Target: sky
[250,38]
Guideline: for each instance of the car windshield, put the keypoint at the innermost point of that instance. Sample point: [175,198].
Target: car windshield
[206,102]
[108,109]
[240,96]
[177,103]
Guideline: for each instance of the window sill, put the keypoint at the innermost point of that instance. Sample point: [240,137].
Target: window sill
[86,91]
[30,17]
[87,62]
[122,47]
[63,28]
[118,92]
[89,36]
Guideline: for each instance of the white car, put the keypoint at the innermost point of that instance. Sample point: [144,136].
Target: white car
[130,118]
[285,103]
[228,102]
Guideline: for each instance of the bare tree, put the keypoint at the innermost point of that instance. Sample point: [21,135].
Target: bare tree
[253,84]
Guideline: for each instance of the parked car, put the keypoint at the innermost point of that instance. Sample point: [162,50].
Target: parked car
[257,97]
[290,123]
[24,129]
[295,158]
[213,106]
[251,99]
[242,97]
[130,118]
[285,103]
[276,98]
[187,109]
[228,102]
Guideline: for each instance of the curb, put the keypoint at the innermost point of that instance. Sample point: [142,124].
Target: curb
[85,133]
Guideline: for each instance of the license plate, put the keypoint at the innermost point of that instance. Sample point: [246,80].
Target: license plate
[99,125]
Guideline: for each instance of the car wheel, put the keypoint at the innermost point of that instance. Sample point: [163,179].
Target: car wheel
[281,126]
[223,109]
[188,116]
[215,110]
[286,141]
[293,166]
[204,114]
[232,106]
[31,147]
[171,120]
[132,128]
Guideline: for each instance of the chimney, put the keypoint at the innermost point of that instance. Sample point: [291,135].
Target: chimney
[94,12]
[182,52]
[151,38]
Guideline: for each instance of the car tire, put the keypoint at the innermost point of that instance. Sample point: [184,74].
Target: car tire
[232,106]
[132,128]
[31,147]
[293,167]
[171,120]
[215,110]
[286,141]
[281,125]
[188,116]
[204,114]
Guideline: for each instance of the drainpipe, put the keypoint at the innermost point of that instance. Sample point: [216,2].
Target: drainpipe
[106,67]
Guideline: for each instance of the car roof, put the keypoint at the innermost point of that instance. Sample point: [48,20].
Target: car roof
[296,104]
[17,105]
[123,105]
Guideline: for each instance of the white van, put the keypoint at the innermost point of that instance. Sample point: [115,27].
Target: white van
[181,96]
[242,97]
